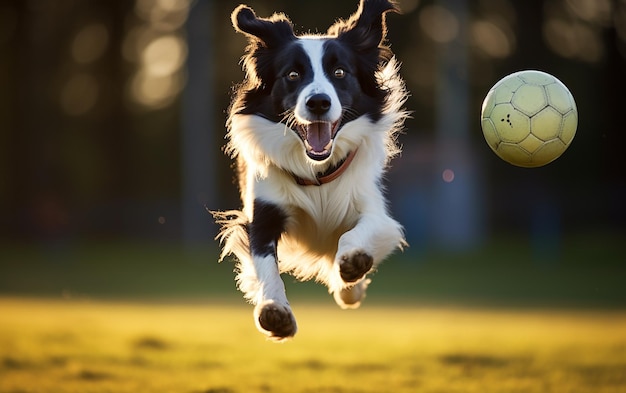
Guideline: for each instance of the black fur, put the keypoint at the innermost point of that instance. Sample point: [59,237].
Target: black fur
[267,224]
[272,52]
[365,33]
[341,94]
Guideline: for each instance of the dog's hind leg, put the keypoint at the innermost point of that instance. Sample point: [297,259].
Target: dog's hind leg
[273,315]
[361,249]
[351,297]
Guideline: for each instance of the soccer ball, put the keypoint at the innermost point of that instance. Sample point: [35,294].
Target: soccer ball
[529,118]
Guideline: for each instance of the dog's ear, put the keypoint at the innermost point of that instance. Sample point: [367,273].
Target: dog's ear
[269,31]
[366,28]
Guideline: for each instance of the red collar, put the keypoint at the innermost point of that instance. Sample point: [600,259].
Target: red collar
[331,174]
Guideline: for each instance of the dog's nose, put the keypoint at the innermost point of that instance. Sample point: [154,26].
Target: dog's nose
[318,104]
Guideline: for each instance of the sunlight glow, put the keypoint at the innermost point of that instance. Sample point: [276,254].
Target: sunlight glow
[90,43]
[158,47]
[155,91]
[408,5]
[164,55]
[575,29]
[573,40]
[439,23]
[596,11]
[491,39]
[135,42]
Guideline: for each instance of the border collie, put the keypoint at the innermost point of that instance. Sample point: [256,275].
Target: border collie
[312,127]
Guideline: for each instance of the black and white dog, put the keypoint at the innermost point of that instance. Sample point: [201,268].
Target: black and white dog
[313,127]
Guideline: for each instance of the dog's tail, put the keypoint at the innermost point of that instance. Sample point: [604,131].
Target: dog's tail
[233,234]
[394,112]
[233,237]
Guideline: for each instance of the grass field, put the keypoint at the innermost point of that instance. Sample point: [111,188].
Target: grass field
[581,271]
[127,317]
[89,346]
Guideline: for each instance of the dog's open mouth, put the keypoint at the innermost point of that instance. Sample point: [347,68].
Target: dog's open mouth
[318,138]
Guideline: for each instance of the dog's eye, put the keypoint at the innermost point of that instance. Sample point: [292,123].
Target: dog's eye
[293,75]
[339,73]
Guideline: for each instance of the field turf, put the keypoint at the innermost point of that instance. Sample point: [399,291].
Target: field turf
[156,318]
[89,346]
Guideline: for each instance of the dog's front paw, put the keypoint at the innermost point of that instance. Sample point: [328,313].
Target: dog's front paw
[355,266]
[276,321]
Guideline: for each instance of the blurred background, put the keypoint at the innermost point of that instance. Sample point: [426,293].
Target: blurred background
[112,120]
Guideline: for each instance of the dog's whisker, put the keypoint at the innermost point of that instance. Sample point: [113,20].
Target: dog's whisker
[349,113]
[303,200]
[289,120]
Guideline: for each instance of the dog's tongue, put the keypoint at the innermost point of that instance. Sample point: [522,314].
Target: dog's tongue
[318,136]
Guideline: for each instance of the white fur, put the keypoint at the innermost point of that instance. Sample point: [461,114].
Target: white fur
[313,47]
[328,222]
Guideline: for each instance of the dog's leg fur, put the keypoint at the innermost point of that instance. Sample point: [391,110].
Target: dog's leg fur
[361,249]
[351,297]
[272,312]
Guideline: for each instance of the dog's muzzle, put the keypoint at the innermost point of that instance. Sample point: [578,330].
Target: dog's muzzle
[318,138]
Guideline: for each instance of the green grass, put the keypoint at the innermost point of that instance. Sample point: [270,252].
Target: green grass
[213,347]
[583,271]
[125,317]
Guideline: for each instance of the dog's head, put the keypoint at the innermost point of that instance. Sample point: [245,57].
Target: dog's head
[315,84]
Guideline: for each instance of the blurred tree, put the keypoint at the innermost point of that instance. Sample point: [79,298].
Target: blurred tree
[91,117]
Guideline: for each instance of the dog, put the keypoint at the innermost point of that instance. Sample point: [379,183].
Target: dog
[312,128]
